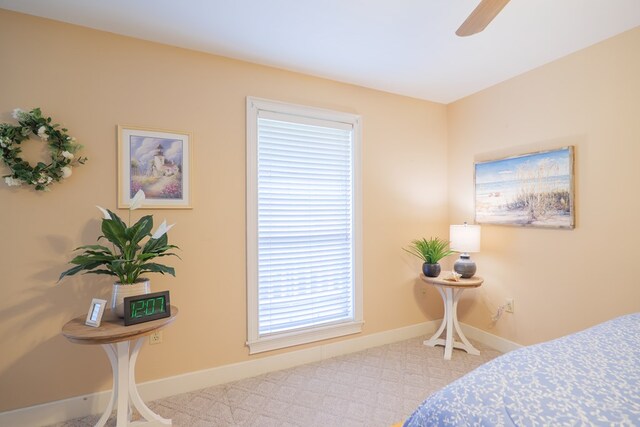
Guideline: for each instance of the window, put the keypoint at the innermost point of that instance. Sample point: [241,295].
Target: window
[303,224]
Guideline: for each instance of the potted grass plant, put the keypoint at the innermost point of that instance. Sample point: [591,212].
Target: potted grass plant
[128,258]
[430,252]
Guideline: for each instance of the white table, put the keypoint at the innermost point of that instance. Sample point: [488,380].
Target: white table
[450,292]
[116,340]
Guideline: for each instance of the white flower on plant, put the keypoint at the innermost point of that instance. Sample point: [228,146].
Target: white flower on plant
[66,171]
[67,155]
[137,200]
[42,133]
[105,213]
[162,229]
[71,139]
[17,113]
[11,182]
[2,144]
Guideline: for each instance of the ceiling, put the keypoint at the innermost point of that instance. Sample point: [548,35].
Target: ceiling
[408,47]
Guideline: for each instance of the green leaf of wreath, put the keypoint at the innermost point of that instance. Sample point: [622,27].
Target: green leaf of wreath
[62,149]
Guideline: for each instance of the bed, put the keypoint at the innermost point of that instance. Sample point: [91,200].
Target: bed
[588,378]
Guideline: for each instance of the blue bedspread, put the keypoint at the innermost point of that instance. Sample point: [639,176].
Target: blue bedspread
[587,378]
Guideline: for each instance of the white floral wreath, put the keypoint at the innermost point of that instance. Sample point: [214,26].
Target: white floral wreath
[61,146]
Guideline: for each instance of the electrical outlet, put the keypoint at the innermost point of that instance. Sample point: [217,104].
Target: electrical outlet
[155,338]
[509,305]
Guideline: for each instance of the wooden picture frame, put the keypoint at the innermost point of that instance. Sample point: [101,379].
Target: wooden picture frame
[529,190]
[157,162]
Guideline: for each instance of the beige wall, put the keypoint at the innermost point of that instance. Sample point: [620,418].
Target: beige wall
[91,81]
[561,280]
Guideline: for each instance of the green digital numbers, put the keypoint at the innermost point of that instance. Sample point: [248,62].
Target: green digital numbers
[148,307]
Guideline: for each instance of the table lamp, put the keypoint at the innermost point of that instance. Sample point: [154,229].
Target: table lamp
[464,239]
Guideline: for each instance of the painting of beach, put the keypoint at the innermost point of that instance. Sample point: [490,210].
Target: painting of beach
[532,190]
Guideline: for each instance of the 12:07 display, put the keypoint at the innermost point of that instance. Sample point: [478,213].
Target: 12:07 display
[144,308]
[147,307]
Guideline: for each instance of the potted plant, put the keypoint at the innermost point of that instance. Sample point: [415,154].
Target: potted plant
[127,259]
[430,251]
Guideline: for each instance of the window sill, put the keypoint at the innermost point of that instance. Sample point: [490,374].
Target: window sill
[303,337]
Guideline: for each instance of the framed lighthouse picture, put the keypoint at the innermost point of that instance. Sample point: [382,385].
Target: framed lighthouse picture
[157,162]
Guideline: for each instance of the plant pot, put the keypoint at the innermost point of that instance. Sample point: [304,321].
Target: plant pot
[431,270]
[120,291]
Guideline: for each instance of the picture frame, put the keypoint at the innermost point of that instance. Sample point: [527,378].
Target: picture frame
[528,190]
[157,162]
[96,310]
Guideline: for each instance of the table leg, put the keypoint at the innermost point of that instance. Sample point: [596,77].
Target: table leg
[113,360]
[450,313]
[142,408]
[466,345]
[122,385]
[435,339]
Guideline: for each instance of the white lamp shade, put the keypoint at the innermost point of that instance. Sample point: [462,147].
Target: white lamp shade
[464,238]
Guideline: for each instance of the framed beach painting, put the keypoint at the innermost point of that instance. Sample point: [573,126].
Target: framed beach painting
[156,162]
[530,190]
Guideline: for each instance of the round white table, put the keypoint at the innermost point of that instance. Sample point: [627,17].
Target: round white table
[450,292]
[115,339]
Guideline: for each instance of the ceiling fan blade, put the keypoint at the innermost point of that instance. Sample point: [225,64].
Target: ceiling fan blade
[481,16]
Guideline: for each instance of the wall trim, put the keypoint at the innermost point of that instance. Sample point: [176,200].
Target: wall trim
[94,403]
[493,341]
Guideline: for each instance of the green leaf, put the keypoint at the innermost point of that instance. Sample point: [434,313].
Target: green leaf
[71,271]
[140,229]
[94,248]
[114,230]
[430,251]
[106,272]
[91,258]
[78,268]
[157,268]
[153,245]
[117,219]
[168,254]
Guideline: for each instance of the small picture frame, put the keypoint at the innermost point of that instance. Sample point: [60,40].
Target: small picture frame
[96,310]
[157,162]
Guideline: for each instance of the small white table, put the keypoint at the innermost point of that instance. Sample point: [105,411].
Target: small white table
[116,339]
[450,292]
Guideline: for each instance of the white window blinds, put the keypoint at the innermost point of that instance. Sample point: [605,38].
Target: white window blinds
[305,251]
[302,224]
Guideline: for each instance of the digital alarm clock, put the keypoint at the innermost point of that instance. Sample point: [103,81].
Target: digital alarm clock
[147,307]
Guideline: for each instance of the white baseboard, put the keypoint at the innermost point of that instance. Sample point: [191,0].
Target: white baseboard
[501,344]
[94,403]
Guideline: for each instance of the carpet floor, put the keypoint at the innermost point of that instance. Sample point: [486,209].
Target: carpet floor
[375,387]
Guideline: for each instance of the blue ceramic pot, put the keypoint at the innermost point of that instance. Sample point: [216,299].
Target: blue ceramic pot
[431,270]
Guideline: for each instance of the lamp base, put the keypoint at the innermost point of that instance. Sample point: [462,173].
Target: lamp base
[464,266]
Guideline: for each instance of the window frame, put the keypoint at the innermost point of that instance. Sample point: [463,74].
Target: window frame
[257,343]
